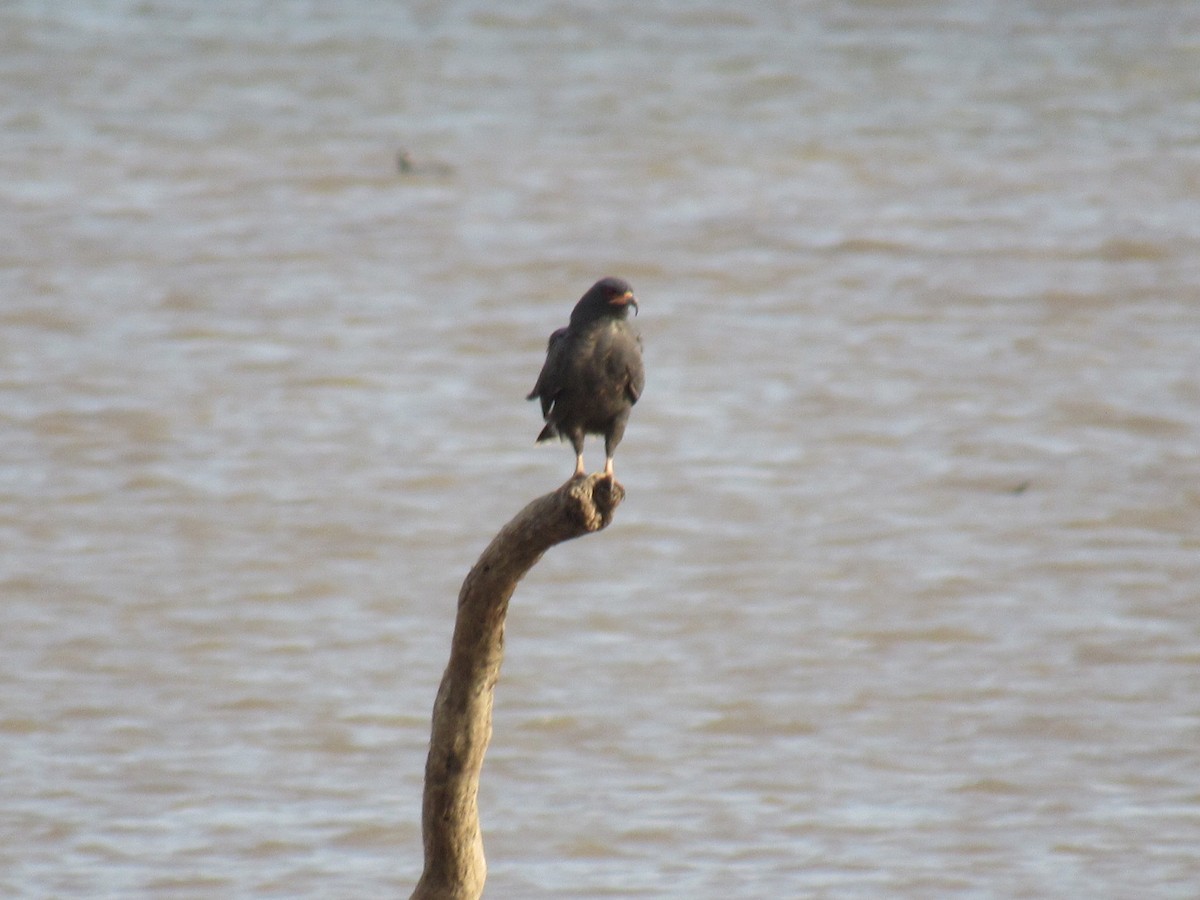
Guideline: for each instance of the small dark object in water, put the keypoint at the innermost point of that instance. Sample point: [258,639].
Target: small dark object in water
[407,164]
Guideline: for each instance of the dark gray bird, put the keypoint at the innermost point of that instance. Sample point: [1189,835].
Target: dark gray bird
[593,372]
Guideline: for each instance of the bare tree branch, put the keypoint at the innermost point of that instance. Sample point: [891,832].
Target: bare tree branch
[462,713]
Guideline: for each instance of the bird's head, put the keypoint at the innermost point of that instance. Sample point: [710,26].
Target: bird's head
[610,297]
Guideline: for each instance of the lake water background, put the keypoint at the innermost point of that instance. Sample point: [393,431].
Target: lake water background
[903,599]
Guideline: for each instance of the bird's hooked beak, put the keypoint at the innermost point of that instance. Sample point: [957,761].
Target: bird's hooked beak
[626,299]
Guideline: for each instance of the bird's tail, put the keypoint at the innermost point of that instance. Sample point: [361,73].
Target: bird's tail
[548,433]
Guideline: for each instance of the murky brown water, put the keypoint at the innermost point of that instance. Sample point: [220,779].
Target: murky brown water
[903,599]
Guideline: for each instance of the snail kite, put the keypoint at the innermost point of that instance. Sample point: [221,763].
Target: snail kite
[593,372]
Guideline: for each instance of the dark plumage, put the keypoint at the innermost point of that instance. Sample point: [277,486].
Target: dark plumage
[593,372]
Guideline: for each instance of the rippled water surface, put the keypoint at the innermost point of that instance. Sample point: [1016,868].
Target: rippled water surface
[903,598]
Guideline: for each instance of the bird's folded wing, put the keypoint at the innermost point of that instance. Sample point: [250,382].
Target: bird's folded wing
[550,380]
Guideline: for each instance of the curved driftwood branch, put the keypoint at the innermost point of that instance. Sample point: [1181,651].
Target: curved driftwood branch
[462,713]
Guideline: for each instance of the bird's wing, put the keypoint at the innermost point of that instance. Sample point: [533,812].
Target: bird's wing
[550,380]
[624,363]
[637,373]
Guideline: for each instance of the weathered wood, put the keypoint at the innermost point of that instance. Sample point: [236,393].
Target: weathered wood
[462,713]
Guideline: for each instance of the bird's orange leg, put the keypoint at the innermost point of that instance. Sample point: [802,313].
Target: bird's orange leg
[608,467]
[580,472]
